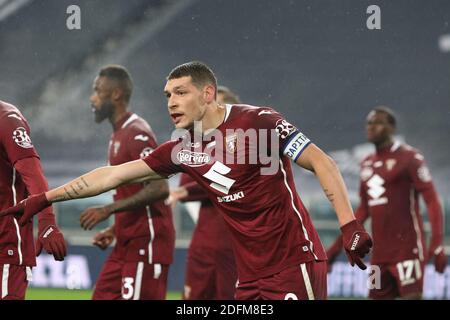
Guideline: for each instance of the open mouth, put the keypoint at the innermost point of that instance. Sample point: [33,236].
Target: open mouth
[176,117]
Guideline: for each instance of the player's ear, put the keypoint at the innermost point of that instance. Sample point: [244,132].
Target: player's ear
[117,94]
[209,93]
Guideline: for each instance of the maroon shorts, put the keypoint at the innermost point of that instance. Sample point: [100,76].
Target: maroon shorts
[131,280]
[210,275]
[399,280]
[307,281]
[14,281]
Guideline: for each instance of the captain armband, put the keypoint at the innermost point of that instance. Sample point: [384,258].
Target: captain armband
[295,145]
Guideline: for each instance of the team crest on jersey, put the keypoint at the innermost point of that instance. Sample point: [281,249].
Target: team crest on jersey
[390,163]
[284,128]
[366,173]
[193,159]
[22,139]
[230,143]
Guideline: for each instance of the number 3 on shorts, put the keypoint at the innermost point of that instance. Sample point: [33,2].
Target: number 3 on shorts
[127,289]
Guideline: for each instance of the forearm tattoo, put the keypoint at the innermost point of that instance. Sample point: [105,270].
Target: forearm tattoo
[329,195]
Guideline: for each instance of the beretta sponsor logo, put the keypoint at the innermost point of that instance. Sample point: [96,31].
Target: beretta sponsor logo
[193,159]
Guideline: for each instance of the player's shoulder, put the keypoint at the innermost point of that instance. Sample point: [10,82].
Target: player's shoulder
[252,111]
[252,115]
[9,111]
[138,125]
[409,152]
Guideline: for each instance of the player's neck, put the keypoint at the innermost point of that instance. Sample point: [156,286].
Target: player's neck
[118,115]
[385,145]
[214,117]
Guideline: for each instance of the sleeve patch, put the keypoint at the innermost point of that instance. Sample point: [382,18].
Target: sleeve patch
[284,129]
[146,152]
[21,138]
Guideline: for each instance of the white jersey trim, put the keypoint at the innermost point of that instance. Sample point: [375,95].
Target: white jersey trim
[130,120]
[395,146]
[228,108]
[19,238]
[152,235]
[5,277]
[308,286]
[305,232]
[137,287]
[413,212]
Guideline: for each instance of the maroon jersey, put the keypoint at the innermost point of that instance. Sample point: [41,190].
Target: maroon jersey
[210,231]
[16,243]
[270,227]
[133,139]
[391,180]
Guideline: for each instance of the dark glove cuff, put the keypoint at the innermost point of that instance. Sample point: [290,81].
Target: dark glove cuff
[350,227]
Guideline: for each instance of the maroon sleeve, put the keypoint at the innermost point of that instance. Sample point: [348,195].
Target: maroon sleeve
[291,141]
[195,192]
[423,183]
[163,160]
[140,144]
[32,174]
[15,137]
[362,212]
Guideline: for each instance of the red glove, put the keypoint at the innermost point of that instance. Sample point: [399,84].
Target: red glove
[357,243]
[436,252]
[51,239]
[28,207]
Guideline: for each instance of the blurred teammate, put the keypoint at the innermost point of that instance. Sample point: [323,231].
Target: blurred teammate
[277,250]
[210,268]
[391,180]
[138,266]
[21,174]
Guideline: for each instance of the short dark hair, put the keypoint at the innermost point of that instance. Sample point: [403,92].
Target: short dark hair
[200,73]
[390,114]
[228,95]
[121,75]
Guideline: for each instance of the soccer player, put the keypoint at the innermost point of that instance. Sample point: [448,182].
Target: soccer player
[210,268]
[21,174]
[277,250]
[391,180]
[138,266]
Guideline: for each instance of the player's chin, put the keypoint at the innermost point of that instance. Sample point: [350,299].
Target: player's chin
[183,125]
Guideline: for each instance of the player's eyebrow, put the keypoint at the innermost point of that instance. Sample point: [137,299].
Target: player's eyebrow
[166,92]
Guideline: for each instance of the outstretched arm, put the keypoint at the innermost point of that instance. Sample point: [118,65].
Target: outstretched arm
[91,184]
[101,180]
[330,178]
[356,240]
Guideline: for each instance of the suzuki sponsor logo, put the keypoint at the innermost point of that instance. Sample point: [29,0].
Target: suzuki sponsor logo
[193,159]
[231,197]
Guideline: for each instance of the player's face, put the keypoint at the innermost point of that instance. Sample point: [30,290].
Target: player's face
[186,102]
[378,128]
[101,99]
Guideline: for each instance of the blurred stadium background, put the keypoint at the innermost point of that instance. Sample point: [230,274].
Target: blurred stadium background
[314,61]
